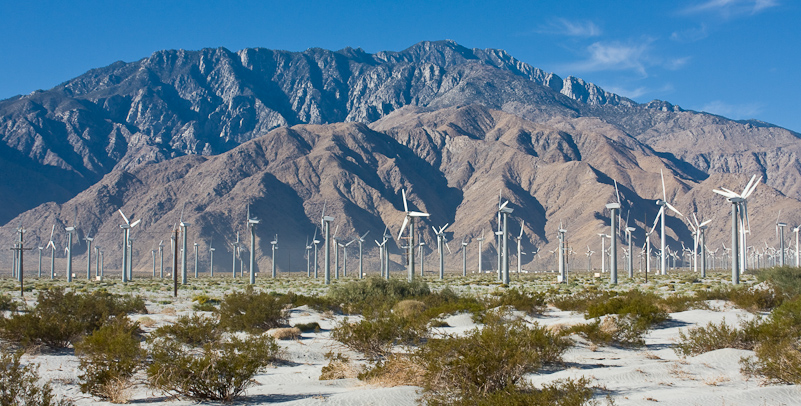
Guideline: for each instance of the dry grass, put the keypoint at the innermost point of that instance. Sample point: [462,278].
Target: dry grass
[396,370]
[117,391]
[339,367]
[717,380]
[285,333]
[409,308]
[147,322]
[170,311]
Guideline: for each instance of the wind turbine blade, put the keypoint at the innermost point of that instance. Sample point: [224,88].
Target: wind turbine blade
[364,235]
[522,223]
[503,205]
[656,220]
[323,213]
[182,212]
[405,206]
[135,223]
[449,248]
[695,219]
[444,227]
[664,194]
[727,194]
[705,223]
[123,217]
[753,187]
[315,235]
[670,206]
[500,197]
[52,230]
[403,227]
[617,192]
[748,185]
[335,232]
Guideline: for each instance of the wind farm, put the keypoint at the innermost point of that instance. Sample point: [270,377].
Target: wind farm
[634,183]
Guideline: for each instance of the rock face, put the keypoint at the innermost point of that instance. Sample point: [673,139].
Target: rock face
[214,131]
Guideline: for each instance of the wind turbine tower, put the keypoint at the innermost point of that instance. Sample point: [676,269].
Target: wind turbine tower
[326,225]
[251,224]
[409,220]
[505,211]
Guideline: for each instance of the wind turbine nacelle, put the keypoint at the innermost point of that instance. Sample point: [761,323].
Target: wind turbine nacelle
[69,229]
[253,221]
[328,218]
[611,206]
[507,210]
[418,214]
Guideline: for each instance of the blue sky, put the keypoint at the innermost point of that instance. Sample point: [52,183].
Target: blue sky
[737,58]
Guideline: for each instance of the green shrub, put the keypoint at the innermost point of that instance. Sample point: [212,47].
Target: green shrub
[485,361]
[530,302]
[109,357]
[622,330]
[786,280]
[251,312]
[778,351]
[640,305]
[409,308]
[205,303]
[375,294]
[376,334]
[312,327]
[191,330]
[7,303]
[61,318]
[567,392]
[447,301]
[19,384]
[716,336]
[755,298]
[218,370]
[681,303]
[580,301]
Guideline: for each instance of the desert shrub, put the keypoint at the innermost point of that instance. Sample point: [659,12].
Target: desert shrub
[485,361]
[251,311]
[756,298]
[716,336]
[285,333]
[409,308]
[312,327]
[376,334]
[446,301]
[567,392]
[375,294]
[582,300]
[786,280]
[395,370]
[622,330]
[530,302]
[681,303]
[7,303]
[19,384]
[191,330]
[778,351]
[640,305]
[61,318]
[339,367]
[109,357]
[217,370]
[205,303]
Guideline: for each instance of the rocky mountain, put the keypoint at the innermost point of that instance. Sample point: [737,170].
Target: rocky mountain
[212,131]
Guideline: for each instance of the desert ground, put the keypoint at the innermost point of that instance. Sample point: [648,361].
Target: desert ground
[653,373]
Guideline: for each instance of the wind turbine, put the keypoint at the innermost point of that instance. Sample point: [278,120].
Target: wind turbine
[780,231]
[196,258]
[211,260]
[603,251]
[71,229]
[440,242]
[589,258]
[52,247]
[629,231]
[183,226]
[40,261]
[505,211]
[422,245]
[797,257]
[308,255]
[315,241]
[88,257]
[234,251]
[345,258]
[519,239]
[409,220]
[739,206]
[153,251]
[698,233]
[251,224]
[382,254]
[273,246]
[336,253]
[325,223]
[480,243]
[126,233]
[664,203]
[614,209]
[562,268]
[464,256]
[161,259]
[361,241]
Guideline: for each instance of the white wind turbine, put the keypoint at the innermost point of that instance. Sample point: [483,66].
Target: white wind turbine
[504,250]
[648,243]
[345,257]
[797,257]
[664,203]
[126,235]
[161,259]
[382,254]
[614,220]
[629,230]
[464,256]
[183,226]
[361,241]
[315,241]
[421,244]
[52,247]
[325,224]
[589,258]
[308,254]
[336,252]
[410,220]
[273,246]
[234,251]
[519,239]
[740,221]
[698,240]
[561,253]
[440,242]
[211,260]
[251,224]
[71,229]
[88,257]
[480,244]
[780,233]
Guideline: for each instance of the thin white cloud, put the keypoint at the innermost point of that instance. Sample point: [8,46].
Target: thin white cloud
[638,91]
[614,56]
[561,26]
[690,35]
[732,8]
[735,111]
